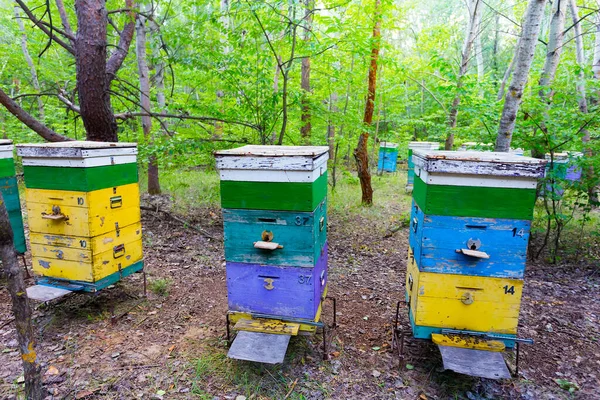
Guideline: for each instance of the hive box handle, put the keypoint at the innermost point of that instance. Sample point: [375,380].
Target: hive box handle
[473,253]
[267,245]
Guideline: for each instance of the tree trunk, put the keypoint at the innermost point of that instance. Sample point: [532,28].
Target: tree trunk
[508,72]
[34,77]
[479,53]
[361,152]
[333,109]
[287,66]
[146,106]
[471,33]
[523,59]
[92,83]
[20,308]
[305,80]
[554,49]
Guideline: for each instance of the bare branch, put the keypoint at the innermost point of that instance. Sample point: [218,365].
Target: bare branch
[29,120]
[128,115]
[430,93]
[65,19]
[55,29]
[118,56]
[44,29]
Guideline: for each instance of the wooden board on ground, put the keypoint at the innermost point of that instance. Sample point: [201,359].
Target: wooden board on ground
[46,293]
[259,347]
[484,364]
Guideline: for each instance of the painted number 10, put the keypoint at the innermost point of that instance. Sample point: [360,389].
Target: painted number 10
[508,290]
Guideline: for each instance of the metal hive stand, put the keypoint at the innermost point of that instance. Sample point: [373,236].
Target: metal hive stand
[265,338]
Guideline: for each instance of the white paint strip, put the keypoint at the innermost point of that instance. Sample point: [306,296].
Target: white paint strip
[275,151]
[79,162]
[388,145]
[475,180]
[6,152]
[245,175]
[424,145]
[296,163]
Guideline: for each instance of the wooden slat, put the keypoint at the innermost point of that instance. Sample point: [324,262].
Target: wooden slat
[80,149]
[274,151]
[279,163]
[467,342]
[86,162]
[267,175]
[267,326]
[484,364]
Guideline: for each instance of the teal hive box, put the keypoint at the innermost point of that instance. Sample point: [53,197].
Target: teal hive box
[10,193]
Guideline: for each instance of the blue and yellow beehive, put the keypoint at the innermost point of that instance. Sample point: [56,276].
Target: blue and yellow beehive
[10,193]
[83,206]
[470,222]
[412,146]
[274,201]
[388,157]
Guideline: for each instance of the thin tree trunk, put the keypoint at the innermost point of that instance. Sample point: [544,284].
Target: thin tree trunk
[34,77]
[474,14]
[146,106]
[361,152]
[523,59]
[479,53]
[20,308]
[285,74]
[554,49]
[305,79]
[224,9]
[508,72]
[333,109]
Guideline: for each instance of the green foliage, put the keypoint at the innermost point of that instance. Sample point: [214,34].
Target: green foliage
[160,286]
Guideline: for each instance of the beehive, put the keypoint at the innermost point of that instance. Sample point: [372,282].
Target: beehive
[412,146]
[388,156]
[10,193]
[84,212]
[274,201]
[469,229]
[565,172]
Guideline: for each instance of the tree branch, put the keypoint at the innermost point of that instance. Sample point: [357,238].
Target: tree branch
[29,120]
[118,56]
[44,29]
[69,36]
[65,19]
[128,115]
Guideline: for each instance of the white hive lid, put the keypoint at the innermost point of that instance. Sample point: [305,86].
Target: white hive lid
[6,148]
[290,158]
[478,163]
[424,145]
[388,145]
[75,149]
[5,142]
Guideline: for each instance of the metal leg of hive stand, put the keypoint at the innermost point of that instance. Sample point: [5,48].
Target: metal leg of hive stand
[228,332]
[332,328]
[398,336]
[27,276]
[144,277]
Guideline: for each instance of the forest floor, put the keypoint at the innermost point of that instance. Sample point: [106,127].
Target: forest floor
[172,345]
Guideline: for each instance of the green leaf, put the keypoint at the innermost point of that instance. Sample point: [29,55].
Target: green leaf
[410,366]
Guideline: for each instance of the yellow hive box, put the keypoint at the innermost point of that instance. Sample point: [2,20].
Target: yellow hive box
[463,302]
[84,236]
[72,213]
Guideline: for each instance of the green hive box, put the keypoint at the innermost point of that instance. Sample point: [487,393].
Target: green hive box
[10,193]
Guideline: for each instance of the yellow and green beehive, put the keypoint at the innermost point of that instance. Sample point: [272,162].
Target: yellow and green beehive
[84,212]
[10,193]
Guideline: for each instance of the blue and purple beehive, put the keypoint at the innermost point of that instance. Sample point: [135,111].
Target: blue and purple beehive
[10,193]
[274,201]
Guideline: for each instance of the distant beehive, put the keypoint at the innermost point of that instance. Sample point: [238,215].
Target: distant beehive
[84,212]
[469,229]
[388,156]
[412,146]
[10,193]
[274,201]
[565,171]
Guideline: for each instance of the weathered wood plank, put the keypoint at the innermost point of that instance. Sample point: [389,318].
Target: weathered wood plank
[484,364]
[75,149]
[288,196]
[280,163]
[80,179]
[274,151]
[471,201]
[478,163]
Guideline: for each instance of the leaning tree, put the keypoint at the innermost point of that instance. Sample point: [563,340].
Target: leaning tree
[96,67]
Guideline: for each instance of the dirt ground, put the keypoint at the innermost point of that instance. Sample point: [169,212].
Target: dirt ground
[172,346]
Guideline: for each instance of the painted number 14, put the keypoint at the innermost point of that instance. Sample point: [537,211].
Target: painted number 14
[509,290]
[519,233]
